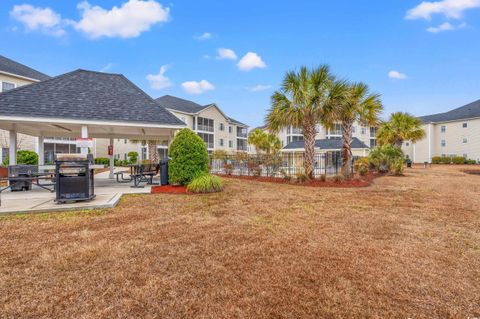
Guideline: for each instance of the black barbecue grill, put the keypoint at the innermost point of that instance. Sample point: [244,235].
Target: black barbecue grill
[74,178]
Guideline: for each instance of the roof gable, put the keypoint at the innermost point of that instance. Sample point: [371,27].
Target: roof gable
[12,67]
[85,95]
[471,110]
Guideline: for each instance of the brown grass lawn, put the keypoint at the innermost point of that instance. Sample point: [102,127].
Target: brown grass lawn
[404,247]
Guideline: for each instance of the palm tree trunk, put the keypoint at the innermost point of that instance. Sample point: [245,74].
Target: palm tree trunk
[347,149]
[152,152]
[309,137]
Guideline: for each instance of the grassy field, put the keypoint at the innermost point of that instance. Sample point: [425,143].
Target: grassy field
[404,247]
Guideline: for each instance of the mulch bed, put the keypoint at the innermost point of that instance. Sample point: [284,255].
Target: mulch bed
[472,171]
[170,189]
[363,181]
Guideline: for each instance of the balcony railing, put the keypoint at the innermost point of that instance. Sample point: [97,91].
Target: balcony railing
[242,135]
[204,128]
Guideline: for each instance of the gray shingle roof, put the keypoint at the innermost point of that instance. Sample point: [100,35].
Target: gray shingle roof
[326,144]
[10,66]
[471,110]
[234,121]
[85,95]
[175,103]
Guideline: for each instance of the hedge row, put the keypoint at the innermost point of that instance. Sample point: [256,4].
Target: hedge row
[452,160]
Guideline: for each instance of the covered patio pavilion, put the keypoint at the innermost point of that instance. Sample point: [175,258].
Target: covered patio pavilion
[84,104]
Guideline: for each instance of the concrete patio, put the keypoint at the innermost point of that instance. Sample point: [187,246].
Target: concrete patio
[108,193]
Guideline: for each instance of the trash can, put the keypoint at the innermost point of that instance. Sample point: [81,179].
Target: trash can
[164,171]
[409,163]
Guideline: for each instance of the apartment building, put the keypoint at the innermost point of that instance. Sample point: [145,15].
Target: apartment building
[453,133]
[13,75]
[217,130]
[364,138]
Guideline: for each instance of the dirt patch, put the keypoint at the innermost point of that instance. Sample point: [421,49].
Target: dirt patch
[472,171]
[169,189]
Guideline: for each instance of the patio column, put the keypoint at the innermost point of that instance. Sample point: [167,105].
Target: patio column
[112,162]
[84,150]
[12,156]
[41,151]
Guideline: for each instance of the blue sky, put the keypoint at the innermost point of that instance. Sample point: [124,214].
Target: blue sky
[421,57]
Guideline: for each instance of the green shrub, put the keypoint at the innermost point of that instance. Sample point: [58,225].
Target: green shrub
[102,161]
[206,183]
[445,160]
[396,166]
[27,158]
[338,178]
[133,157]
[361,166]
[458,160]
[220,155]
[189,157]
[383,158]
[436,160]
[470,161]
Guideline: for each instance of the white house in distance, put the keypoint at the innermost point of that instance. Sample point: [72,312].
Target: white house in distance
[218,131]
[453,133]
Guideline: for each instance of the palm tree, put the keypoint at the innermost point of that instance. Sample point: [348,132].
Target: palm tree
[305,98]
[399,128]
[356,104]
[263,141]
[152,149]
[256,138]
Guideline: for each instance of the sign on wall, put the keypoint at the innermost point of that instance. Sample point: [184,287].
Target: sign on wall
[84,142]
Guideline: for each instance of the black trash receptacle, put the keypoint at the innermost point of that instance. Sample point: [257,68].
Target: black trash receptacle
[164,171]
[409,163]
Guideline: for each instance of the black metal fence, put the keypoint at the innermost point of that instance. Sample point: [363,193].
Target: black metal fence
[278,165]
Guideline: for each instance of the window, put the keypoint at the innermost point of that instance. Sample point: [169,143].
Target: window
[222,127]
[464,125]
[220,142]
[204,124]
[230,129]
[230,144]
[354,129]
[465,155]
[465,140]
[443,143]
[443,129]
[7,86]
[373,143]
[207,138]
[125,141]
[373,131]
[363,130]
[294,139]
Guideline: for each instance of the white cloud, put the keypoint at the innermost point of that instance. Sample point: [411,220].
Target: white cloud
[107,67]
[260,87]
[397,75]
[447,26]
[224,53]
[39,19]
[204,36]
[194,87]
[250,61]
[449,8]
[127,21]
[159,81]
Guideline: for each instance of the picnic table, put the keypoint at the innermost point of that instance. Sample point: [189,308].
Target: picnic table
[139,173]
[34,178]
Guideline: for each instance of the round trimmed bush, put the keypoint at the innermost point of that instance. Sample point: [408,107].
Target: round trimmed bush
[189,157]
[27,157]
[206,184]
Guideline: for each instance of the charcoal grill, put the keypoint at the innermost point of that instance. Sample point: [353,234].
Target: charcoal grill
[74,178]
